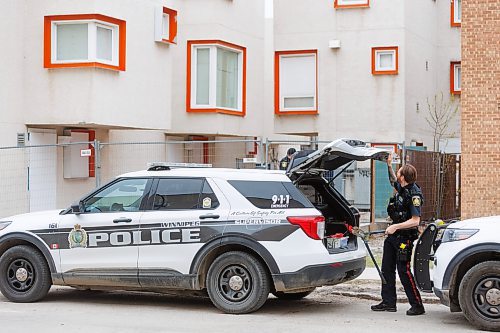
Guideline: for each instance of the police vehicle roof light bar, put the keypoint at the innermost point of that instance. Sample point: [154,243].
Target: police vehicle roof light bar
[160,166]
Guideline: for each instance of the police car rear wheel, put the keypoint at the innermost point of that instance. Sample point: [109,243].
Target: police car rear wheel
[479,295]
[24,274]
[293,296]
[237,283]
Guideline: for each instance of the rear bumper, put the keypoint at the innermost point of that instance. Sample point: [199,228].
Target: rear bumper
[320,275]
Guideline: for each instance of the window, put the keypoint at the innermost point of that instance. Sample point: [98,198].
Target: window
[456,13]
[351,3]
[166,25]
[455,77]
[89,40]
[296,82]
[182,194]
[216,77]
[124,195]
[385,60]
[271,195]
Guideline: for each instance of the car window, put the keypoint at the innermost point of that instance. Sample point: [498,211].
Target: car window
[271,195]
[124,195]
[184,193]
[208,200]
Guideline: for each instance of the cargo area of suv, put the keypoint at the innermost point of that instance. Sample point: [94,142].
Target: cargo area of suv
[312,172]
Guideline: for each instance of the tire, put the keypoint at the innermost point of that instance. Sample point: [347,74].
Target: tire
[479,295]
[24,275]
[293,296]
[237,283]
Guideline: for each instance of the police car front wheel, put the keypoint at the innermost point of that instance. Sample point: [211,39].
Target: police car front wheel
[479,295]
[24,274]
[237,283]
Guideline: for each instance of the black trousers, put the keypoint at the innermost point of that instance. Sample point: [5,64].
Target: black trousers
[394,258]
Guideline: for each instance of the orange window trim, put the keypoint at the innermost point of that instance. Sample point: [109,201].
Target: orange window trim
[360,5]
[241,113]
[91,134]
[452,15]
[172,25]
[374,59]
[47,45]
[277,97]
[452,78]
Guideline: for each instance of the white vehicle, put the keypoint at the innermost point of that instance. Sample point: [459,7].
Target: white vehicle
[466,273]
[238,234]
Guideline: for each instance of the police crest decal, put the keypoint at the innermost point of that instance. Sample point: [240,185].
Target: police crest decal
[416,201]
[77,237]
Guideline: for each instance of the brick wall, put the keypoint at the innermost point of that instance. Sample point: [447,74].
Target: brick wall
[480,108]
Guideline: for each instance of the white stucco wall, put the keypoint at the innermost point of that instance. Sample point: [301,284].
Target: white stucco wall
[352,102]
[237,22]
[138,97]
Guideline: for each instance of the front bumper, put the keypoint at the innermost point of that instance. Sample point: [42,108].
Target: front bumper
[443,295]
[320,275]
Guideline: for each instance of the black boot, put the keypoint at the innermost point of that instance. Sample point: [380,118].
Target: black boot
[384,307]
[416,310]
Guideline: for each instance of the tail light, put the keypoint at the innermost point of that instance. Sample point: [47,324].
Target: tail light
[313,226]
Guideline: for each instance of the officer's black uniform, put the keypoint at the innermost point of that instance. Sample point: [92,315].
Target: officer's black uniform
[284,163]
[285,160]
[398,246]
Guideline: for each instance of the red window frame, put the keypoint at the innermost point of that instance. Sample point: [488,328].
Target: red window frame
[189,108]
[374,58]
[337,5]
[452,15]
[277,96]
[47,52]
[452,78]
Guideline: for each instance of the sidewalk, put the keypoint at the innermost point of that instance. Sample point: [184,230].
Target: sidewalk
[367,286]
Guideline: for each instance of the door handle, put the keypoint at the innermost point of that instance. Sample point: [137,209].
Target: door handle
[209,216]
[122,220]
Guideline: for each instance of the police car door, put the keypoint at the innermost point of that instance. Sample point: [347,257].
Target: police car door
[100,246]
[184,214]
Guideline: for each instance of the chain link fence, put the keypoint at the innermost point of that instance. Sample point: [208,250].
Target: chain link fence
[54,176]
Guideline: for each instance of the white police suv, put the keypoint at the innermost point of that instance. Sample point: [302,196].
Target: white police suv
[238,234]
[466,272]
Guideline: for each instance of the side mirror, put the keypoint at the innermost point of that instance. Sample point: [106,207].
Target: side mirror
[77,208]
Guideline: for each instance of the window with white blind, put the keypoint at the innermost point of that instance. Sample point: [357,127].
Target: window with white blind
[296,72]
[385,60]
[216,77]
[84,40]
[456,78]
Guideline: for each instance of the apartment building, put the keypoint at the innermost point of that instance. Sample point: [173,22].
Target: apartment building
[174,70]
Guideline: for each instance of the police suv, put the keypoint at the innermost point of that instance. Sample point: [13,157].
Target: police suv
[466,268]
[238,234]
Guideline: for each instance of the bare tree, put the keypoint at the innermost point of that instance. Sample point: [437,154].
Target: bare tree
[439,116]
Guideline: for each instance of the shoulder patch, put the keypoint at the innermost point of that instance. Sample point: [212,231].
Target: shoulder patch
[416,201]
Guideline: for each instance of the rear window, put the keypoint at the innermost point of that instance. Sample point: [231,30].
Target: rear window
[271,195]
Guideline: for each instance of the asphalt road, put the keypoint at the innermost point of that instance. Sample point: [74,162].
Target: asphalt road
[69,310]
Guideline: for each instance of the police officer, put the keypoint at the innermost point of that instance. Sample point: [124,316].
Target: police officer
[404,210]
[285,160]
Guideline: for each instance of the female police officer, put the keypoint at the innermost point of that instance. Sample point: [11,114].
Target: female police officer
[404,210]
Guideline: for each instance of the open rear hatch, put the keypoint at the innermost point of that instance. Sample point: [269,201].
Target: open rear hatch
[312,172]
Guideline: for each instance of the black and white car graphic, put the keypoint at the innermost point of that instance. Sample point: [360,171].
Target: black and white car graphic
[238,234]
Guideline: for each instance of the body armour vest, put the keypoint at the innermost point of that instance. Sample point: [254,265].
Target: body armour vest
[399,204]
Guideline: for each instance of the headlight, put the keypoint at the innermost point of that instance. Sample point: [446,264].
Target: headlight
[4,224]
[451,235]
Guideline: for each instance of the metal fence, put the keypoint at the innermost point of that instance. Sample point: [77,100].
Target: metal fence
[53,176]
[438,176]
